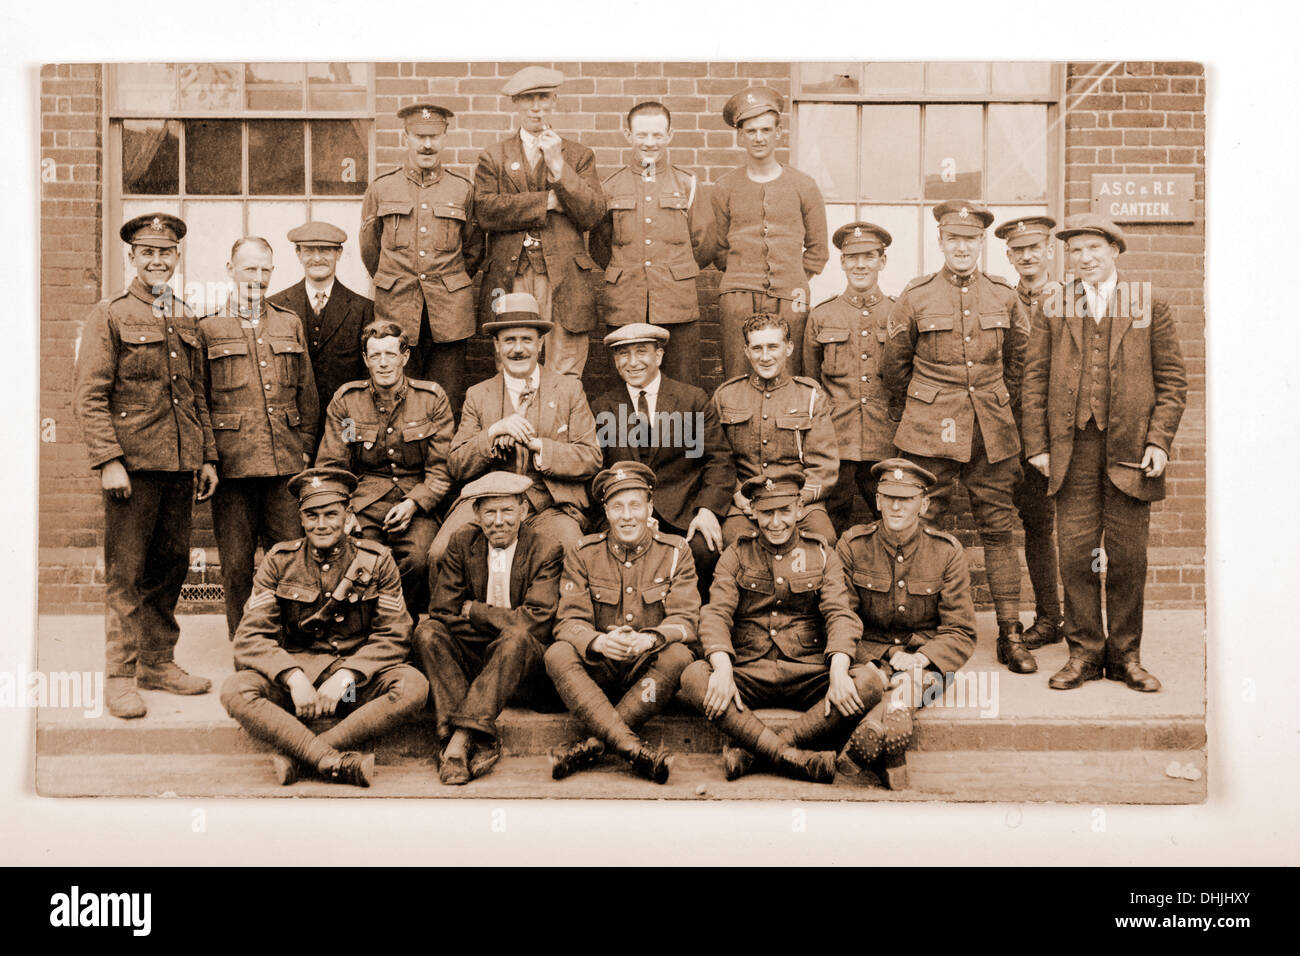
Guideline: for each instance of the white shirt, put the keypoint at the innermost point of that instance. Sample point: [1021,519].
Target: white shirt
[312,289]
[517,386]
[500,561]
[532,152]
[651,395]
[1100,296]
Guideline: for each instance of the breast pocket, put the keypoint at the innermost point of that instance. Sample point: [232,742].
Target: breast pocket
[922,602]
[413,438]
[673,222]
[605,598]
[448,222]
[288,359]
[835,351]
[792,436]
[736,426]
[758,582]
[228,366]
[397,223]
[622,210]
[143,354]
[934,339]
[873,595]
[994,326]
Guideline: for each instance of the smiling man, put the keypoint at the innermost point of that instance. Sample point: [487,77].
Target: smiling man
[656,235]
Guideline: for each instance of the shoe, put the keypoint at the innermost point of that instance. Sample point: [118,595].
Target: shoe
[453,771]
[1075,673]
[651,763]
[736,761]
[285,769]
[893,771]
[484,758]
[1043,632]
[815,766]
[1133,674]
[1012,651]
[168,676]
[355,768]
[898,731]
[123,699]
[567,760]
[868,737]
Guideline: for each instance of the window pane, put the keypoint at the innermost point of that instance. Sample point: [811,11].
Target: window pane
[339,157]
[891,152]
[139,207]
[954,152]
[831,281]
[827,149]
[996,249]
[273,86]
[902,264]
[210,86]
[829,77]
[337,86]
[276,158]
[893,78]
[1029,79]
[214,157]
[346,214]
[931,254]
[957,78]
[151,152]
[1017,152]
[271,221]
[146,86]
[213,229]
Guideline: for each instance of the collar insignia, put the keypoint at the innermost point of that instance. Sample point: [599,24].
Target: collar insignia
[315,482]
[768,484]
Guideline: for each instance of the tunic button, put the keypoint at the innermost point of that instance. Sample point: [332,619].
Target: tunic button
[324,567]
[900,557]
[421,275]
[864,331]
[780,580]
[864,354]
[647,262]
[963,290]
[267,386]
[263,364]
[627,564]
[259,341]
[972,388]
[864,401]
[629,617]
[123,415]
[175,401]
[864,378]
[421,252]
[764,440]
[647,223]
[970,364]
[390,451]
[900,584]
[424,205]
[647,198]
[169,328]
[901,608]
[968,338]
[647,242]
[423,229]
[772,631]
[629,590]
[173,355]
[143,337]
[174,377]
[764,418]
[390,431]
[966,312]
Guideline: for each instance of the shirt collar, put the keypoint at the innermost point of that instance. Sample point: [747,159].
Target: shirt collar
[518,385]
[906,547]
[313,288]
[1106,288]
[651,389]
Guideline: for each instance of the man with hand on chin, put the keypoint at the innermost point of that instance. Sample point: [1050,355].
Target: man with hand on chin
[325,631]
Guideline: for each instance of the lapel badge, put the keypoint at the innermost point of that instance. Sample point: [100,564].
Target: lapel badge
[514,167]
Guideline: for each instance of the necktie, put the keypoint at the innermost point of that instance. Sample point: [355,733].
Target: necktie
[320,302]
[497,594]
[521,451]
[643,410]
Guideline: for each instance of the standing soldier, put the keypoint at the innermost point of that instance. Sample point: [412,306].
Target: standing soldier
[773,420]
[629,612]
[842,348]
[144,419]
[421,244]
[394,434]
[953,365]
[332,314]
[778,632]
[1029,249]
[262,397]
[537,194]
[1104,392]
[325,632]
[656,236]
[771,228]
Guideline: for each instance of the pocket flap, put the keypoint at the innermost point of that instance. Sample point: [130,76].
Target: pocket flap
[218,350]
[456,281]
[604,592]
[734,416]
[923,392]
[655,593]
[141,336]
[802,583]
[585,261]
[1004,397]
[226,421]
[395,208]
[449,210]
[995,320]
[923,585]
[292,591]
[386,280]
[189,337]
[871,582]
[684,270]
[417,431]
[612,274]
[801,422]
[674,202]
[934,323]
[826,336]
[293,417]
[281,346]
[621,202]
[758,583]
[366,433]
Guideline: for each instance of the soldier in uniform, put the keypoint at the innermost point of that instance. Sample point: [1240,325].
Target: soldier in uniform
[325,632]
[1029,249]
[262,396]
[494,597]
[332,314]
[537,194]
[774,420]
[140,402]
[771,228]
[656,236]
[842,349]
[778,632]
[679,438]
[909,584]
[422,245]
[394,434]
[628,615]
[953,366]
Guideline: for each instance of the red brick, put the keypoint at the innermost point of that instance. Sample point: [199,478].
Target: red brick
[1177,101]
[1080,120]
[1140,68]
[604,69]
[1126,119]
[442,69]
[1137,101]
[1098,102]
[682,68]
[1142,84]
[1179,69]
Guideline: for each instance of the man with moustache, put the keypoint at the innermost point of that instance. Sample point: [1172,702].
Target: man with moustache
[771,228]
[693,480]
[530,420]
[140,402]
[656,235]
[537,194]
[1105,389]
[394,434]
[421,243]
[332,314]
[494,599]
[263,401]
[842,349]
[629,610]
[953,366]
[1029,250]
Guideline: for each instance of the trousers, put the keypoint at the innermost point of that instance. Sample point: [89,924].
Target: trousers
[247,512]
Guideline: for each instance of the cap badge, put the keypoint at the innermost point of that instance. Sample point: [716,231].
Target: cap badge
[620,474]
[857,231]
[964,212]
[768,484]
[315,482]
[749,97]
[1020,227]
[156,223]
[898,474]
[425,113]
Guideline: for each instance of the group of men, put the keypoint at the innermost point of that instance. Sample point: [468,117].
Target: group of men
[719,558]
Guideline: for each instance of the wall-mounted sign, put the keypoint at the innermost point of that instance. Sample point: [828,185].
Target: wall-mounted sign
[1146,197]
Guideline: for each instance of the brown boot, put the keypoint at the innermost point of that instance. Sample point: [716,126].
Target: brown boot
[352,767]
[736,761]
[760,740]
[579,756]
[286,769]
[169,677]
[123,699]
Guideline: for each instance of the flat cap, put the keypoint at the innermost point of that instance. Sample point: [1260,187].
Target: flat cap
[425,118]
[621,476]
[533,79]
[160,229]
[752,101]
[1093,224]
[516,310]
[900,478]
[776,489]
[496,484]
[636,332]
[1026,230]
[963,217]
[318,234]
[860,237]
[320,486]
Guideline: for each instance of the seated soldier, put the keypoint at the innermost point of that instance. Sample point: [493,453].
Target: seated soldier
[490,618]
[629,610]
[778,632]
[324,630]
[393,433]
[774,421]
[910,586]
